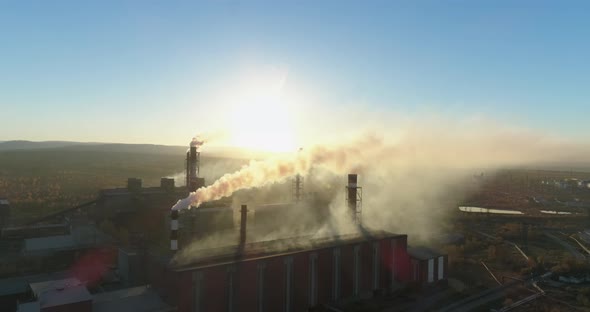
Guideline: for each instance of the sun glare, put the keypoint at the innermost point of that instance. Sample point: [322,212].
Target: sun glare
[261,118]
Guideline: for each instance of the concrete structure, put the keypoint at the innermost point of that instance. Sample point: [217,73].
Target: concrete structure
[80,238]
[131,267]
[427,266]
[70,295]
[15,289]
[32,231]
[283,275]
[59,295]
[145,212]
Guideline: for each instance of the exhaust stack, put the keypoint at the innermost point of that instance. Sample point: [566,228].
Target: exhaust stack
[243,223]
[192,168]
[174,230]
[354,197]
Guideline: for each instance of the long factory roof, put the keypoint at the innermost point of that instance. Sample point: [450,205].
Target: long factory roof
[267,249]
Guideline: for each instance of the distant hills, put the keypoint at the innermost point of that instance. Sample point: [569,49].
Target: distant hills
[213,151]
[91,146]
[23,145]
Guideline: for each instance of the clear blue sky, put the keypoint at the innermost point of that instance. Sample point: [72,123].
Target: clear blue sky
[159,71]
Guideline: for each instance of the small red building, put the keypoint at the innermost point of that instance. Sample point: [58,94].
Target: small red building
[284,275]
[427,266]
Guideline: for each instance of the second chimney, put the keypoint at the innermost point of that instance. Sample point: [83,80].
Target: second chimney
[243,223]
[352,197]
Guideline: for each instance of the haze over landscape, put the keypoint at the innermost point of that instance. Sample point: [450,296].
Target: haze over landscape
[189,136]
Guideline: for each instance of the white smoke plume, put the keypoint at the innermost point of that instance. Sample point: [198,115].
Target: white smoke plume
[261,173]
[412,180]
[197,141]
[426,149]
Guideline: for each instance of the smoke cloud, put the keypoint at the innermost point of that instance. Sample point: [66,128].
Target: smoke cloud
[197,142]
[261,173]
[412,178]
[429,150]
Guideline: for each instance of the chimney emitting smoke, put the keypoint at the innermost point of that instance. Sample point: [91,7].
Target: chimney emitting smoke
[353,198]
[192,165]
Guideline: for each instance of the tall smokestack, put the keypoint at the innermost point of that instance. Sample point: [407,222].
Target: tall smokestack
[298,188]
[192,165]
[352,197]
[174,230]
[192,168]
[243,223]
[188,170]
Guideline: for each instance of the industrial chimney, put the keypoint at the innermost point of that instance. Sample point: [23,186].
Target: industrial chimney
[243,223]
[193,160]
[174,230]
[298,189]
[354,197]
[192,168]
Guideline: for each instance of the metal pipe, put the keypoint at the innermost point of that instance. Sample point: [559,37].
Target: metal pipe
[243,223]
[492,274]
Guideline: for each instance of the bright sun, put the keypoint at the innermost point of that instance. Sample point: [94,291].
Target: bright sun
[261,119]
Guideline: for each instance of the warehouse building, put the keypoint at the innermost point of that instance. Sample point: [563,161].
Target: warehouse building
[284,275]
[71,295]
[429,267]
[291,274]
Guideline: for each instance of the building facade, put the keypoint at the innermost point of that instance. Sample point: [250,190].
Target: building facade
[286,280]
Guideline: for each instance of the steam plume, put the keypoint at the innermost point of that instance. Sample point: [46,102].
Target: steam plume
[197,141]
[426,149]
[413,178]
[261,173]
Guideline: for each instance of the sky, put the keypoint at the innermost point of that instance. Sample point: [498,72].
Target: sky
[276,74]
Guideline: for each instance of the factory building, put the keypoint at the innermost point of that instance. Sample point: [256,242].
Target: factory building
[72,295]
[284,275]
[144,211]
[32,231]
[291,274]
[287,274]
[428,267]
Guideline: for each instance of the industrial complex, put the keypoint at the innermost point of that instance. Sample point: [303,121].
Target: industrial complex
[122,249]
[519,243]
